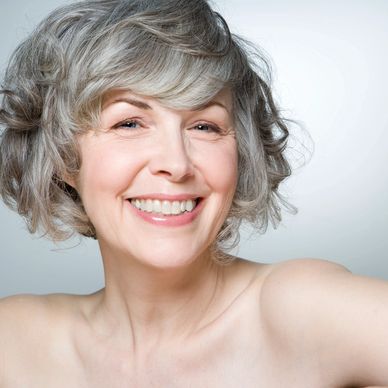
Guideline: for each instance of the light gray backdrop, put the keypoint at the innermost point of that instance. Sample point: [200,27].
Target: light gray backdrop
[330,60]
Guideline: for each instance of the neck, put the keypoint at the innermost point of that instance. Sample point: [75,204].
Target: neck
[156,304]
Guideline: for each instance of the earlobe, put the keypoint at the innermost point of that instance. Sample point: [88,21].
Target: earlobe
[69,186]
[69,180]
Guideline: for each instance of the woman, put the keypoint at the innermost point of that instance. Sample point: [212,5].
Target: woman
[148,126]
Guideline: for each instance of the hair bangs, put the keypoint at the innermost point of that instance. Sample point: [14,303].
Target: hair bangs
[178,79]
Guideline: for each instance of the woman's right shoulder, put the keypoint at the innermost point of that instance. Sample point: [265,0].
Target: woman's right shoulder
[24,310]
[31,308]
[19,328]
[31,326]
[24,317]
[19,312]
[30,316]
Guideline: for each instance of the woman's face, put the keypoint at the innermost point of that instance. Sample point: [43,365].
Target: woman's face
[157,183]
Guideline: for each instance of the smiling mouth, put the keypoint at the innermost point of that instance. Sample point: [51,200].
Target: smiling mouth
[165,207]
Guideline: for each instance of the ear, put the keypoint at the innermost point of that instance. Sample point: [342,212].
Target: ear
[69,179]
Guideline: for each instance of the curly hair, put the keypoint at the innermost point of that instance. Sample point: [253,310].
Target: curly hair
[178,51]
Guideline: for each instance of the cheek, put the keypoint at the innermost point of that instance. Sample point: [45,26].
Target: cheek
[106,169]
[219,166]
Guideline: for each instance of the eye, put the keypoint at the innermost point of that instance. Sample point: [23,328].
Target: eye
[128,123]
[206,127]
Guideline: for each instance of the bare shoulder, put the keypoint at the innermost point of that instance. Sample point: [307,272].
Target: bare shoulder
[294,289]
[34,329]
[35,316]
[17,310]
[305,266]
[319,309]
[28,318]
[19,313]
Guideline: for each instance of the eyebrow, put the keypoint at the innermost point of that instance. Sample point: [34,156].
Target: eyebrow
[210,104]
[145,106]
[131,101]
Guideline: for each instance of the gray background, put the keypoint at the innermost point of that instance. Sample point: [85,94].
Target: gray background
[330,60]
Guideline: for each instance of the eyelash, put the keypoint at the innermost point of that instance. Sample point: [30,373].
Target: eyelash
[213,127]
[127,122]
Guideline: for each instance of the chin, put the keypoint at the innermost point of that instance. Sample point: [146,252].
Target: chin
[163,253]
[168,257]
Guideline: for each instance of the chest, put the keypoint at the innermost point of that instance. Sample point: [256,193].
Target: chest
[235,350]
[224,366]
[242,358]
[238,356]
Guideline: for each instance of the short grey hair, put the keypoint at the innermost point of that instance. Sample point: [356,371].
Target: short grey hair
[178,51]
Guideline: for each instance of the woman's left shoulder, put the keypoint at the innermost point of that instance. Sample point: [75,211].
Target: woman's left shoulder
[276,277]
[320,308]
[307,266]
[304,275]
[307,288]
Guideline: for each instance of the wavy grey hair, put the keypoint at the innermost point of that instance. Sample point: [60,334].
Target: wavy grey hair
[178,51]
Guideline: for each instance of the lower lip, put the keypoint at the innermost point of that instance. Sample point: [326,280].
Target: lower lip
[170,220]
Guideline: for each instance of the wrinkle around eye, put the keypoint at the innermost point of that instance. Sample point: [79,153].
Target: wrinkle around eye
[212,136]
[207,128]
[124,130]
[127,124]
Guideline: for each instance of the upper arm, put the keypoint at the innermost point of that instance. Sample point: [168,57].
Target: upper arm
[339,320]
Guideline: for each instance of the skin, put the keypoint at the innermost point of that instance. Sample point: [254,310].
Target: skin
[169,316]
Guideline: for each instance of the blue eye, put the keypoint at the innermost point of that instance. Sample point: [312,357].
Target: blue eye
[207,128]
[130,124]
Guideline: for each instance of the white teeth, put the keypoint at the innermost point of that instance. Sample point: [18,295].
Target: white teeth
[143,205]
[157,206]
[164,207]
[190,206]
[175,208]
[149,205]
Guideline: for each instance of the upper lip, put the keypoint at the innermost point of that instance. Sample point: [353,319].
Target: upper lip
[167,197]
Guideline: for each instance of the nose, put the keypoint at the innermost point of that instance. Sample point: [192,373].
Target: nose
[171,158]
